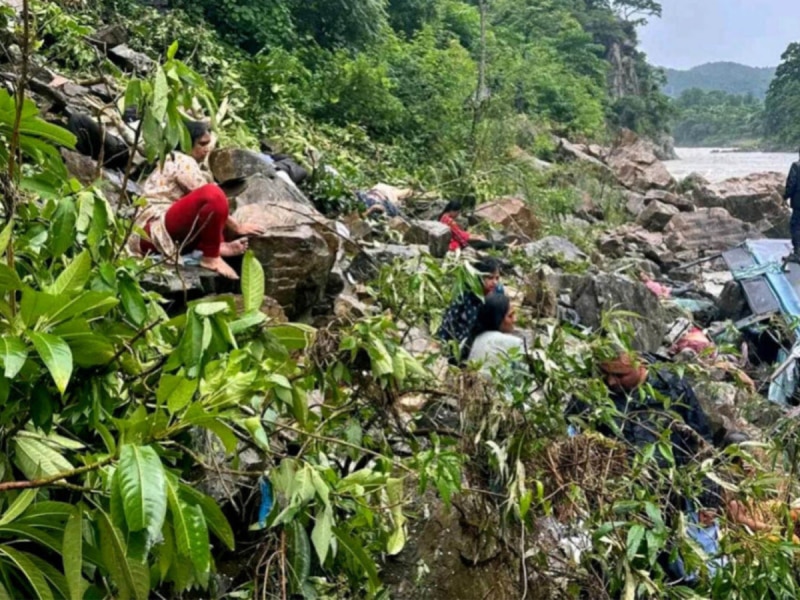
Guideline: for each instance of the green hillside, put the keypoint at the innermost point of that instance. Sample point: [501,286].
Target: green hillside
[729,77]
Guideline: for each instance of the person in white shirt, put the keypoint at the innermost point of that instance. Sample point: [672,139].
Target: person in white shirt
[494,341]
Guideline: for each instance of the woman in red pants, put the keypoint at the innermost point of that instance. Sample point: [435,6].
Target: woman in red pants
[185,212]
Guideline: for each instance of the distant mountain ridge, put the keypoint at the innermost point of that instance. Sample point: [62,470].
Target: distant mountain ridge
[730,77]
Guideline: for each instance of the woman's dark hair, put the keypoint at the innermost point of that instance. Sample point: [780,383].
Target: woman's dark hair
[491,314]
[487,266]
[452,206]
[197,129]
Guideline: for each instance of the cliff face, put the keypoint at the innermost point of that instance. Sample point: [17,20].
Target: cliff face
[623,79]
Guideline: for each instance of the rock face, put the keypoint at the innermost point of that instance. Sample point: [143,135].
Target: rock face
[297,252]
[656,215]
[680,202]
[367,263]
[299,247]
[708,230]
[555,249]
[269,191]
[235,163]
[85,170]
[592,295]
[575,153]
[434,235]
[757,199]
[131,60]
[636,165]
[513,215]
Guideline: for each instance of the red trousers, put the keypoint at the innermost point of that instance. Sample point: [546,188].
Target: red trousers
[196,221]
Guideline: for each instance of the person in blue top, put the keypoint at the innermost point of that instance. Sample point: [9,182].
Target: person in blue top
[458,324]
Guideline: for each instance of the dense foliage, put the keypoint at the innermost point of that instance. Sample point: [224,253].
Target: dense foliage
[114,412]
[728,77]
[437,89]
[782,106]
[716,118]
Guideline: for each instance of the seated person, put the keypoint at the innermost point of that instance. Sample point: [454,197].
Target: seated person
[460,318]
[493,339]
[460,238]
[643,415]
[185,212]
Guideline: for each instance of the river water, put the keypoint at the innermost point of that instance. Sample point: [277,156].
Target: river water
[717,164]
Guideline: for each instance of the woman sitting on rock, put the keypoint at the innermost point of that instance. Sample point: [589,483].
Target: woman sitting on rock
[460,318]
[493,340]
[186,212]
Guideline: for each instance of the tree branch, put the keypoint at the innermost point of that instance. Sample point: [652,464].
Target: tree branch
[38,483]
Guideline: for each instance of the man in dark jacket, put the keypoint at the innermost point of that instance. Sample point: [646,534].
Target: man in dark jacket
[792,194]
[642,414]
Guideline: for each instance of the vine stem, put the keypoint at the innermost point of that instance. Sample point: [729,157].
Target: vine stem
[38,483]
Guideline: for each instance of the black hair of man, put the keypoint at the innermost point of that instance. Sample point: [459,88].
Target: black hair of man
[452,206]
[492,312]
[197,129]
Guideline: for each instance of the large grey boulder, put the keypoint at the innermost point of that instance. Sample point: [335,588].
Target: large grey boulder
[756,198]
[130,60]
[656,215]
[297,251]
[237,163]
[512,215]
[434,235]
[264,190]
[366,265]
[682,203]
[636,165]
[707,230]
[555,249]
[594,295]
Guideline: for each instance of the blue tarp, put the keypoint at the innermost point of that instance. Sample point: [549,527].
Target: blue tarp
[758,266]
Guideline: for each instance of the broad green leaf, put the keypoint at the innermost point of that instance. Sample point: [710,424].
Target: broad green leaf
[160,95]
[115,558]
[209,309]
[14,353]
[9,280]
[98,230]
[394,494]
[211,511]
[293,336]
[54,576]
[132,301]
[75,276]
[142,485]
[635,536]
[18,507]
[173,48]
[359,555]
[56,356]
[191,531]
[36,459]
[5,237]
[29,570]
[63,229]
[72,554]
[323,532]
[299,553]
[252,283]
[176,391]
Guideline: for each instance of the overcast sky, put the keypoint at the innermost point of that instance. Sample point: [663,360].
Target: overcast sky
[693,32]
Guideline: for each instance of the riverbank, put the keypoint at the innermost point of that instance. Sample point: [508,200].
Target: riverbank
[718,164]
